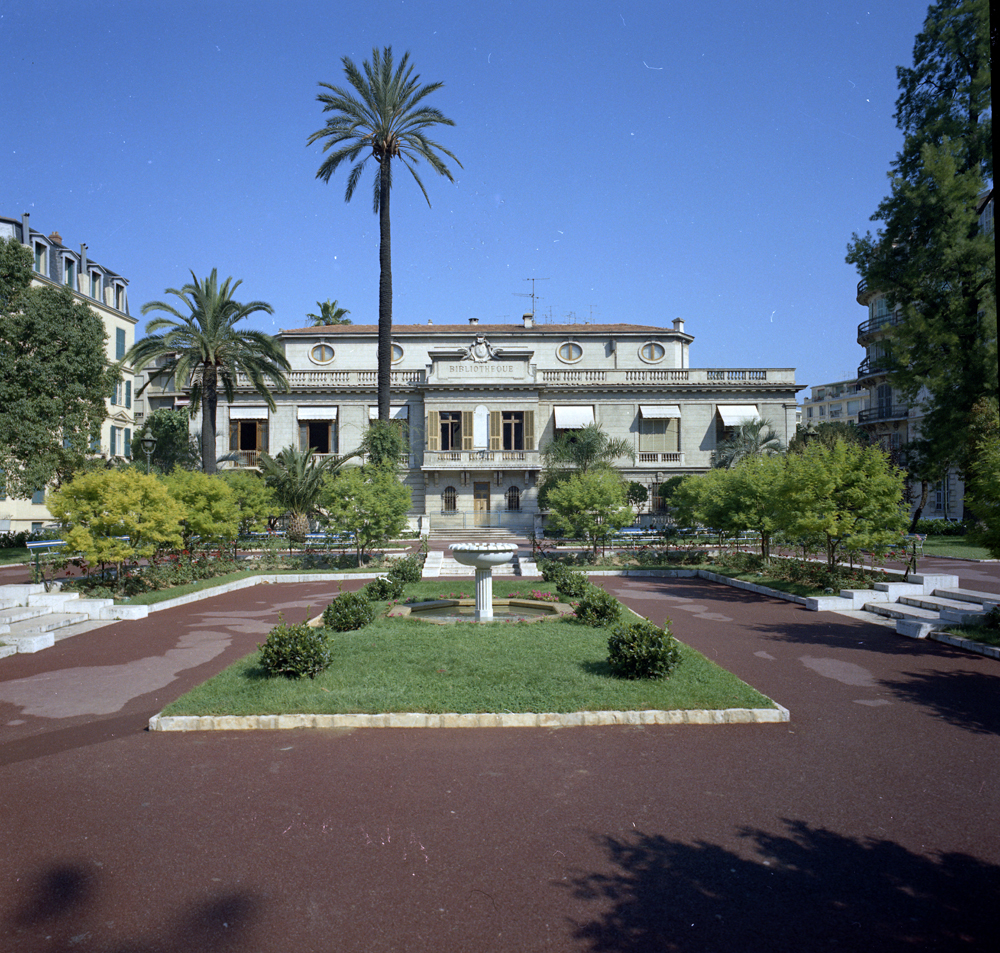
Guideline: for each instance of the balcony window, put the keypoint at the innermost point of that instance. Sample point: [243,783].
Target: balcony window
[248,436]
[659,429]
[450,430]
[320,436]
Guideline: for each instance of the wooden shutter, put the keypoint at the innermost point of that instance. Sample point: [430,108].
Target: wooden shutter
[303,437]
[529,430]
[234,435]
[496,430]
[433,430]
[262,435]
[467,430]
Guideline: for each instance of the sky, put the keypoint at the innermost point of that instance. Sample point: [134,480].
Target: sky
[643,160]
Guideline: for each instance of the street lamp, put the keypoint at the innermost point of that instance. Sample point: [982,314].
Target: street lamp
[148,446]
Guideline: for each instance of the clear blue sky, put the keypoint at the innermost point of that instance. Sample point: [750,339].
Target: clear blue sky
[652,160]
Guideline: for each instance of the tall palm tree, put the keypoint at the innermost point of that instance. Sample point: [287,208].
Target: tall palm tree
[579,451]
[205,347]
[385,120]
[297,479]
[754,437]
[329,313]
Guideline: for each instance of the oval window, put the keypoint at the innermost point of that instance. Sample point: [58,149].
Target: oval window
[652,352]
[570,352]
[397,353]
[321,354]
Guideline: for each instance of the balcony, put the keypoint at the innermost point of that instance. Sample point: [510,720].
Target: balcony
[874,414]
[304,380]
[873,325]
[482,459]
[647,459]
[879,366]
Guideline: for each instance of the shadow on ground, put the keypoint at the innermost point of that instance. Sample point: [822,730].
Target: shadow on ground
[806,889]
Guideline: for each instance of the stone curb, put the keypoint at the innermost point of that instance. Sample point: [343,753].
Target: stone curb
[576,719]
[990,651]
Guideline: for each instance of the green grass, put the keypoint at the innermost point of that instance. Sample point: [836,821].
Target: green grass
[977,633]
[955,546]
[16,555]
[404,665]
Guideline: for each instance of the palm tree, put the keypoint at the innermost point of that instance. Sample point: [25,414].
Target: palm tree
[297,479]
[386,120]
[754,437]
[579,451]
[329,314]
[205,347]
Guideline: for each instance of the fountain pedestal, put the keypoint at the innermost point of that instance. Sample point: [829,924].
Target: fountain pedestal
[483,557]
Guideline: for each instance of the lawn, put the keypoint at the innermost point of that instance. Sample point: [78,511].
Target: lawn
[405,665]
[955,546]
[16,555]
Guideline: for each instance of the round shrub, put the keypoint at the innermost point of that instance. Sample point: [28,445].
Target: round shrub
[406,570]
[350,610]
[642,650]
[295,651]
[572,585]
[384,587]
[551,570]
[598,608]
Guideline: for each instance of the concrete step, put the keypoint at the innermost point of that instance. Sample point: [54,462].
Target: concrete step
[48,622]
[938,603]
[896,610]
[20,613]
[968,595]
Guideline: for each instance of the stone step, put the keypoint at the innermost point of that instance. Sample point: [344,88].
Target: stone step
[938,603]
[20,613]
[968,595]
[43,623]
[896,610]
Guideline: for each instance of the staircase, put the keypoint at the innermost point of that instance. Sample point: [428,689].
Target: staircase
[32,619]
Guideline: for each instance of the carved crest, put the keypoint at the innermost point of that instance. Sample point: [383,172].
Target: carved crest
[480,350]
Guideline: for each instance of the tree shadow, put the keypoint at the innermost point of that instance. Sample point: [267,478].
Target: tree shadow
[62,907]
[807,889]
[965,699]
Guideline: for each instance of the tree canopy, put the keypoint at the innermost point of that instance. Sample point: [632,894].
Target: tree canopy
[329,313]
[203,344]
[751,438]
[54,378]
[931,257]
[382,116]
[175,447]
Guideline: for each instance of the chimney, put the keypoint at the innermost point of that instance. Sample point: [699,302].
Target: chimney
[473,320]
[25,229]
[679,325]
[83,261]
[55,238]
[528,319]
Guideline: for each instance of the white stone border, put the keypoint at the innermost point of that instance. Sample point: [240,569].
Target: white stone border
[575,719]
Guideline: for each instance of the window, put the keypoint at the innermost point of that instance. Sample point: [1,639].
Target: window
[656,502]
[451,430]
[652,352]
[809,411]
[114,441]
[248,437]
[69,273]
[513,499]
[321,354]
[570,352]
[95,285]
[119,343]
[320,436]
[659,435]
[941,496]
[449,500]
[127,443]
[853,408]
[512,429]
[883,398]
[397,353]
[36,527]
[41,258]
[822,410]
[128,395]
[38,496]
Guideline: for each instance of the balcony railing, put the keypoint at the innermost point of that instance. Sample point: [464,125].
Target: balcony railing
[241,459]
[325,379]
[478,459]
[646,458]
[874,366]
[876,324]
[882,413]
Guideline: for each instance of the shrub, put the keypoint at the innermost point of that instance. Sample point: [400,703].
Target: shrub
[572,585]
[350,610]
[406,570]
[295,650]
[642,650]
[551,569]
[384,587]
[598,608]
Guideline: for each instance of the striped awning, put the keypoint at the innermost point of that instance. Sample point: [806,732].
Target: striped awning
[242,412]
[317,412]
[734,414]
[659,411]
[574,417]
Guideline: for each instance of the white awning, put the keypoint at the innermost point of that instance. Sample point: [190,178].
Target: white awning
[247,413]
[734,414]
[659,411]
[181,402]
[396,412]
[317,412]
[573,418]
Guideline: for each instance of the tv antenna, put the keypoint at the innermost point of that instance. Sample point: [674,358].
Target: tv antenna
[520,294]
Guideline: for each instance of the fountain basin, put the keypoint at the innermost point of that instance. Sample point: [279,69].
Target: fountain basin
[448,611]
[483,555]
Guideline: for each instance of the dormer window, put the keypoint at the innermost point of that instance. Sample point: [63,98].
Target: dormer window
[69,273]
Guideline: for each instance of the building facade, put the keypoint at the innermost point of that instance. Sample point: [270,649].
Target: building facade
[480,402]
[106,293]
[839,402]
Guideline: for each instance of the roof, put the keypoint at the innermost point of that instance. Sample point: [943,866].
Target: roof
[562,330]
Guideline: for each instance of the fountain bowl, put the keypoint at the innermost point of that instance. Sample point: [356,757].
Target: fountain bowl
[483,555]
[450,611]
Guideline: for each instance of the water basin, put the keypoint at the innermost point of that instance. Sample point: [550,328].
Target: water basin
[444,611]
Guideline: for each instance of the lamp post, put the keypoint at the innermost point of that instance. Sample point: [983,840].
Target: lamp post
[148,446]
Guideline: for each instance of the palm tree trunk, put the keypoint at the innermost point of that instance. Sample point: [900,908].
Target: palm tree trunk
[384,293]
[209,406]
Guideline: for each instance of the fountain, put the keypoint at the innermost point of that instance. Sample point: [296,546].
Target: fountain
[483,556]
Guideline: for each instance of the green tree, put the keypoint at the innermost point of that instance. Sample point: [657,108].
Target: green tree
[210,512]
[386,119]
[256,502]
[175,447]
[54,381]
[846,496]
[930,257]
[16,270]
[828,432]
[296,476]
[751,438]
[329,314]
[590,505]
[384,442]
[579,451]
[205,346]
[368,501]
[116,516]
[982,492]
[636,495]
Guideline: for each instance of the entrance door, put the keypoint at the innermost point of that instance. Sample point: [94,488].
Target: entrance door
[481,503]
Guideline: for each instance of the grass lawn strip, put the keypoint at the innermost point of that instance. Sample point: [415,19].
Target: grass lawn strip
[495,671]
